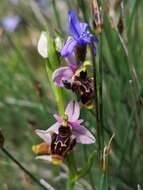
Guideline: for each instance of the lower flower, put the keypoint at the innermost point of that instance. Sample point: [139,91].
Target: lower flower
[61,138]
[59,146]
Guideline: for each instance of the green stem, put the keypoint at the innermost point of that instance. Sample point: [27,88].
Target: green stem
[70,184]
[57,92]
[97,113]
[23,169]
[72,172]
[100,93]
[104,181]
[86,169]
[91,178]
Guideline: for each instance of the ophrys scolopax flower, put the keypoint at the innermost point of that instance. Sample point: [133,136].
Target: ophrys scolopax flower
[60,138]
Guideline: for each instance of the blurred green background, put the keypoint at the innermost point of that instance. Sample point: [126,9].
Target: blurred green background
[22,71]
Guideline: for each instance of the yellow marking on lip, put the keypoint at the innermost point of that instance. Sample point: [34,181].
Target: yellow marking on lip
[88,106]
[57,160]
[42,148]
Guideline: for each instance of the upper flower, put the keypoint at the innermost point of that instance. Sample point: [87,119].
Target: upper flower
[80,34]
[76,79]
[61,137]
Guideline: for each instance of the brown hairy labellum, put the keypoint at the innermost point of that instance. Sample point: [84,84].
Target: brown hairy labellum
[82,85]
[63,142]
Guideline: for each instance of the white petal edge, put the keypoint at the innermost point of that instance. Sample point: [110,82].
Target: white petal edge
[43,134]
[45,157]
[46,134]
[43,45]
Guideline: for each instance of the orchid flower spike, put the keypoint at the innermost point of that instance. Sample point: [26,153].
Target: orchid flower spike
[60,138]
[81,36]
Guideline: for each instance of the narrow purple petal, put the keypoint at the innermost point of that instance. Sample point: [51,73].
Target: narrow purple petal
[63,73]
[84,26]
[73,110]
[58,118]
[68,47]
[74,24]
[75,123]
[83,135]
[71,60]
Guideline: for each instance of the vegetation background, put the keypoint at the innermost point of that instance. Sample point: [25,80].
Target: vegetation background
[22,71]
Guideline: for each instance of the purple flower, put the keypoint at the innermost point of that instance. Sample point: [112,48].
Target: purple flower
[63,135]
[64,73]
[10,23]
[81,35]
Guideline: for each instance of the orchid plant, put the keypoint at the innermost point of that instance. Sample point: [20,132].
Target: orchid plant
[77,142]
[61,138]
